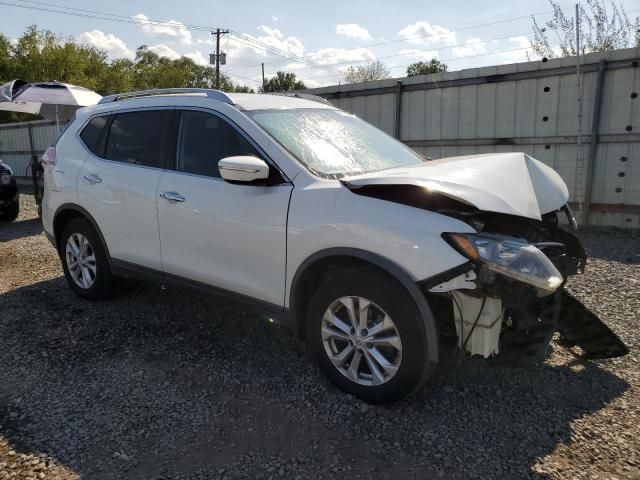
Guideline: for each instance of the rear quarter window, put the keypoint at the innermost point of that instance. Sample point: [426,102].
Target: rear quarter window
[94,133]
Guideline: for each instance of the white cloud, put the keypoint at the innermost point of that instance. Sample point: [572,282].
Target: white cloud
[520,41]
[472,46]
[422,32]
[244,60]
[198,57]
[114,46]
[332,56]
[242,51]
[274,18]
[353,30]
[172,30]
[164,51]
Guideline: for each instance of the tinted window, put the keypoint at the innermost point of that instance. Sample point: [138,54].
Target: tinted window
[137,137]
[93,134]
[205,139]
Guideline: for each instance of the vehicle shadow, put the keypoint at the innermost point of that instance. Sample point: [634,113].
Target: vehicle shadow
[20,229]
[171,383]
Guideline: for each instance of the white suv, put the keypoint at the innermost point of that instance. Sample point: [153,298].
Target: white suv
[338,230]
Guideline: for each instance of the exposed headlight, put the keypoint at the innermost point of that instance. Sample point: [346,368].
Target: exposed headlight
[5,179]
[509,256]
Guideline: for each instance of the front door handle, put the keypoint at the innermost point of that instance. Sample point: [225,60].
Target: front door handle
[92,178]
[172,196]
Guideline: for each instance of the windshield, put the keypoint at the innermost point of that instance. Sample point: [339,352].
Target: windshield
[334,143]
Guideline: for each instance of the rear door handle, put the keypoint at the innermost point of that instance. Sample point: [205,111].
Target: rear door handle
[92,178]
[172,196]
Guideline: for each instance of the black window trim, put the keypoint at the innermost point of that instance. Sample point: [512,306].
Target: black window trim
[263,155]
[165,157]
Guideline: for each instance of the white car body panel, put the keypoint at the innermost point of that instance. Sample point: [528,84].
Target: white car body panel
[60,181]
[124,205]
[226,235]
[510,183]
[324,214]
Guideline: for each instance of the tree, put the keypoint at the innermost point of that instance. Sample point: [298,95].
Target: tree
[41,55]
[367,73]
[603,27]
[425,68]
[282,82]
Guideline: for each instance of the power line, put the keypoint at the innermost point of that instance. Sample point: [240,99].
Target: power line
[496,52]
[252,42]
[85,13]
[106,16]
[418,52]
[471,27]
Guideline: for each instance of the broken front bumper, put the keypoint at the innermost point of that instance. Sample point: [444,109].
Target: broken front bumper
[498,316]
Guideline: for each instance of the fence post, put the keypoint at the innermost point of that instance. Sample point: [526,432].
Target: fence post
[396,126]
[593,144]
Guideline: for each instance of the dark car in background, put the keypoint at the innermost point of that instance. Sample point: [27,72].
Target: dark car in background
[9,196]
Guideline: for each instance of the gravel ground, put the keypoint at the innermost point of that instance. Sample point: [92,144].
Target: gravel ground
[172,384]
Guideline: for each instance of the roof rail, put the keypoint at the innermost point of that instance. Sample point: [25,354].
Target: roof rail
[210,93]
[306,96]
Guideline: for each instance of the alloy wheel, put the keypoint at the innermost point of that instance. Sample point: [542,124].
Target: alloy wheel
[81,260]
[361,341]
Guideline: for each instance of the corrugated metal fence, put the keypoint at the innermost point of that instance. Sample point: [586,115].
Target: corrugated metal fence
[20,141]
[530,107]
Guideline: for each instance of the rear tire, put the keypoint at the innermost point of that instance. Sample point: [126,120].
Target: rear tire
[393,359]
[84,261]
[11,213]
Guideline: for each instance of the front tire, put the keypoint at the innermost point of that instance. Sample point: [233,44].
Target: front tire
[84,261]
[367,335]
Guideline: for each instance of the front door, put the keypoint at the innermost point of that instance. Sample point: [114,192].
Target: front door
[230,236]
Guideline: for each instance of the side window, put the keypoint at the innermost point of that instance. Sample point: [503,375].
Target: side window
[93,134]
[204,139]
[136,137]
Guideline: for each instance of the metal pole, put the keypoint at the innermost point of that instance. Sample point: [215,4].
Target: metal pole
[218,58]
[398,107]
[579,158]
[593,145]
[263,81]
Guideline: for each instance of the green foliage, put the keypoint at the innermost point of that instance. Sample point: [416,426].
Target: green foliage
[425,68]
[41,55]
[602,28]
[282,82]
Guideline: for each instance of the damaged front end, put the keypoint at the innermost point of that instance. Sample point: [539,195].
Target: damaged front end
[509,299]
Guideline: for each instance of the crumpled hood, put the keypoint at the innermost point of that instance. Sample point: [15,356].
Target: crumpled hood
[510,183]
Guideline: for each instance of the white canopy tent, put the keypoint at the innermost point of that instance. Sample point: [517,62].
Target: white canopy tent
[52,100]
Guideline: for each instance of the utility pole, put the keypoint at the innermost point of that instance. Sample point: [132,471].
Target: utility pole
[218,33]
[263,82]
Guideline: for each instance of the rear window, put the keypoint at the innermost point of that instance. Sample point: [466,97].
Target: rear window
[136,137]
[93,134]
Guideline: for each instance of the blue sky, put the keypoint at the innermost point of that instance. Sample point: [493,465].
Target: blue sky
[332,34]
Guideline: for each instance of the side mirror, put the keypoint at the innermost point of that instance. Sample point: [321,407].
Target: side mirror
[243,169]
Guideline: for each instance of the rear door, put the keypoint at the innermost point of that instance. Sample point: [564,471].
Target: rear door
[227,235]
[118,182]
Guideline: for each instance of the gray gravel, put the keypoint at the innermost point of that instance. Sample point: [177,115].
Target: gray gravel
[173,384]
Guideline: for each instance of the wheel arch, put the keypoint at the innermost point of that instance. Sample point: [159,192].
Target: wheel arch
[68,212]
[317,266]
